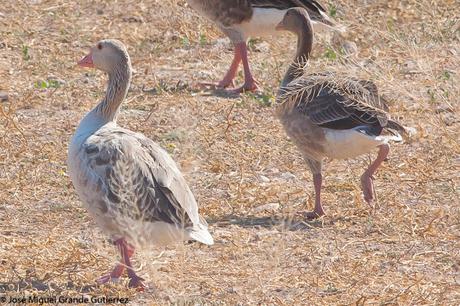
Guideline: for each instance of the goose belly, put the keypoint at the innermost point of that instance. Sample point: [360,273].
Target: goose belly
[143,233]
[115,222]
[343,144]
[262,22]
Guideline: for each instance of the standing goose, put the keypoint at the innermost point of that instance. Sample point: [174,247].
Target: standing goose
[129,184]
[331,116]
[240,19]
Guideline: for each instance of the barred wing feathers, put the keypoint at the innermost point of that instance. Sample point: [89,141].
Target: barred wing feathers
[230,12]
[137,178]
[340,103]
[314,8]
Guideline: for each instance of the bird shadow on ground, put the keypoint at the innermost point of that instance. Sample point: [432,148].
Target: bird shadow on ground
[286,223]
[216,92]
[41,285]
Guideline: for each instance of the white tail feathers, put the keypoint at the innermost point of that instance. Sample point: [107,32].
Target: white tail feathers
[406,135]
[200,233]
[396,137]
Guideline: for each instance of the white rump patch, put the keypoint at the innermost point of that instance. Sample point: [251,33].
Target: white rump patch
[263,22]
[343,144]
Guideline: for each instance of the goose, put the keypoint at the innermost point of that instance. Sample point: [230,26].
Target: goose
[240,19]
[329,115]
[128,183]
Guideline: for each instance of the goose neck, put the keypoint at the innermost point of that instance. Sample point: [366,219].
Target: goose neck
[117,89]
[304,48]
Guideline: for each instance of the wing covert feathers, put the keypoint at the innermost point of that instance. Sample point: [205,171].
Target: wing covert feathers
[328,96]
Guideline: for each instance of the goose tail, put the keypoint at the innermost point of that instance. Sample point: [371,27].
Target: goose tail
[200,233]
[397,129]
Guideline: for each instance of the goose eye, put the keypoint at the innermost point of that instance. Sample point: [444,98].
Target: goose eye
[99,46]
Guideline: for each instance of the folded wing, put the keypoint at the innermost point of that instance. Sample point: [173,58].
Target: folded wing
[137,178]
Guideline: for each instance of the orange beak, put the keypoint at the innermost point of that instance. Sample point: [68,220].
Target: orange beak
[87,61]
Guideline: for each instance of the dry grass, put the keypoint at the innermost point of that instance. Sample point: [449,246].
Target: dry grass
[236,157]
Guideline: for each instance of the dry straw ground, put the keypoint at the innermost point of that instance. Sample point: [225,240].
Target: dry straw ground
[236,158]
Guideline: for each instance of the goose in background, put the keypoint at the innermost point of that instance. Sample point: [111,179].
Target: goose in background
[331,115]
[241,19]
[129,184]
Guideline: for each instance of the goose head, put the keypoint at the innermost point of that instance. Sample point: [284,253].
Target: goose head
[106,55]
[295,20]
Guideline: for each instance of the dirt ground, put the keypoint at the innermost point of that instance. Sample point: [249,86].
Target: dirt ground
[249,179]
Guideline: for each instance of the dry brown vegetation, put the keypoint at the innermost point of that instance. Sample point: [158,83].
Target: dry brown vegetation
[235,156]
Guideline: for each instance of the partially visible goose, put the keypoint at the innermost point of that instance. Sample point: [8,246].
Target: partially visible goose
[129,184]
[329,115]
[240,19]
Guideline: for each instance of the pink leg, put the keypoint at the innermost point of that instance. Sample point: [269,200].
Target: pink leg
[367,177]
[112,276]
[119,268]
[230,75]
[249,83]
[227,81]
[134,280]
[318,210]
